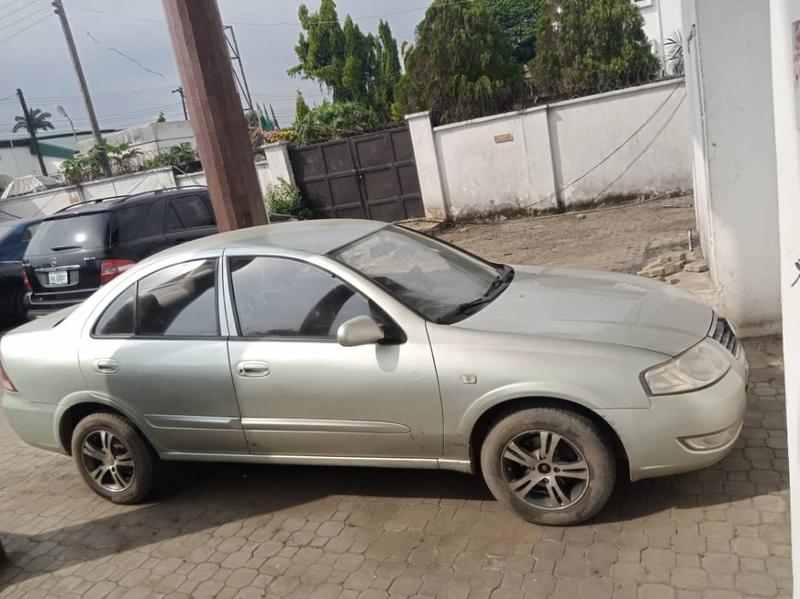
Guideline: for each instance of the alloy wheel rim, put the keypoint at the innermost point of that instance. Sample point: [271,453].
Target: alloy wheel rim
[545,469]
[108,461]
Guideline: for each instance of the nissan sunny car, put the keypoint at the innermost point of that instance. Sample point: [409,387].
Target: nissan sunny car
[358,343]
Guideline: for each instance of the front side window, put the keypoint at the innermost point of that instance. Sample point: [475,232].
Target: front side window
[188,212]
[179,300]
[279,297]
[438,281]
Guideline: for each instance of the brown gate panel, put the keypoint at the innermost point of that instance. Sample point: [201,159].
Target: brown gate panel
[367,176]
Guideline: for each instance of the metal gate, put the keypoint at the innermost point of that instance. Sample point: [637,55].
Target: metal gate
[370,176]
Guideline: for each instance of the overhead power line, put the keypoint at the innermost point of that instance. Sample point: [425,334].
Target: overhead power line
[9,4]
[24,29]
[16,10]
[287,23]
[116,51]
[39,11]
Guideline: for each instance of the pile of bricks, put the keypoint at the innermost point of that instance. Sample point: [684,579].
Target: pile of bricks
[674,262]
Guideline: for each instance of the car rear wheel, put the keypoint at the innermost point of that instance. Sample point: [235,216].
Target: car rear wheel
[549,465]
[113,458]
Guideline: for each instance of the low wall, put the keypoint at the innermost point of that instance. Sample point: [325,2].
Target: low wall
[629,143]
[276,166]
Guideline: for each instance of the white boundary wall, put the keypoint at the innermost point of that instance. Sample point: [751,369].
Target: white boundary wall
[275,166]
[630,143]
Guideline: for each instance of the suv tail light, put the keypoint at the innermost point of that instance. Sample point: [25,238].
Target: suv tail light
[111,268]
[26,282]
[7,384]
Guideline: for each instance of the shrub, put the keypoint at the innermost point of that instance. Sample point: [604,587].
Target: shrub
[181,157]
[333,120]
[285,198]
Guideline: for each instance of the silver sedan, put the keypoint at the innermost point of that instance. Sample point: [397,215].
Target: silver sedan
[355,343]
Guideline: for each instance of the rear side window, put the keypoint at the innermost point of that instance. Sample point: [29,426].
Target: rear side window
[179,300]
[188,212]
[85,231]
[136,222]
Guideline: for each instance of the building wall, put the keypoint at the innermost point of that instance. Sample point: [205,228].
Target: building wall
[150,138]
[662,18]
[19,161]
[730,100]
[630,143]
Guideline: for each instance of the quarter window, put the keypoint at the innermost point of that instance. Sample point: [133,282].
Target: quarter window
[179,300]
[188,212]
[117,320]
[288,298]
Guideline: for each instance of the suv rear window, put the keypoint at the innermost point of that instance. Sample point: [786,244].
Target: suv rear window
[84,231]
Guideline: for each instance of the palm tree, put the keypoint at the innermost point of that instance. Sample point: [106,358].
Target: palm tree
[36,120]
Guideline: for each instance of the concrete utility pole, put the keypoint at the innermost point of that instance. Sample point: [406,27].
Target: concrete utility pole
[198,40]
[76,62]
[183,102]
[31,131]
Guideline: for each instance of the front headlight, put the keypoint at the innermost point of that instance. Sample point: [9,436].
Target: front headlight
[698,367]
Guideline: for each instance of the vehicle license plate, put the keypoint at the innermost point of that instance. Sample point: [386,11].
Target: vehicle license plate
[58,277]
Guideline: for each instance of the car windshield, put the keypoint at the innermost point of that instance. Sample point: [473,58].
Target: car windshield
[85,231]
[438,281]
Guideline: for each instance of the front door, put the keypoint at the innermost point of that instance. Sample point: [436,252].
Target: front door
[301,393]
[156,351]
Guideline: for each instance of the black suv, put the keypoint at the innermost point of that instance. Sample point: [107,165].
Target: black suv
[80,248]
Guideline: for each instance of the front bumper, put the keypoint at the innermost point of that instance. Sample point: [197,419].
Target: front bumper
[652,437]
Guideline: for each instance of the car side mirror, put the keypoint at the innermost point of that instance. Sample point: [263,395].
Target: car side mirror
[361,330]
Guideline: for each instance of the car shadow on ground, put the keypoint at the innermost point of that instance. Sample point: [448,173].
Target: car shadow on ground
[200,497]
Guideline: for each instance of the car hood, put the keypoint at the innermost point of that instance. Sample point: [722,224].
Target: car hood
[596,306]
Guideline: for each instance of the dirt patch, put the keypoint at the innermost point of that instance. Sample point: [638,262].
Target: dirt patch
[621,238]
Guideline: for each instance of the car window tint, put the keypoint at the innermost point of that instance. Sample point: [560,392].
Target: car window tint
[27,234]
[129,222]
[179,300]
[188,212]
[118,317]
[281,297]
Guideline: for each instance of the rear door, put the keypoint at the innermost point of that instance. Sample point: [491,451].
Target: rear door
[188,217]
[63,258]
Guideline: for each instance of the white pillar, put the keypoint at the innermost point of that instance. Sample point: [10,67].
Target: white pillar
[278,162]
[427,159]
[785,43]
[729,87]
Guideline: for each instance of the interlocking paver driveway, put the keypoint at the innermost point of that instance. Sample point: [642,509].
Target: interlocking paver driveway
[267,531]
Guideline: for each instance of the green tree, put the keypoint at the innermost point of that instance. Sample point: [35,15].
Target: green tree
[461,65]
[352,65]
[590,46]
[387,69]
[301,109]
[518,18]
[39,121]
[161,118]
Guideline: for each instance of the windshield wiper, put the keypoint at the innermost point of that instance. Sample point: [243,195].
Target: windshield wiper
[495,288]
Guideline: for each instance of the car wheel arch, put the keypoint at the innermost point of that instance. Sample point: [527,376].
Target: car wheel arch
[501,409]
[72,412]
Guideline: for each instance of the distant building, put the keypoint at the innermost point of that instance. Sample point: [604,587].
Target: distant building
[662,21]
[149,139]
[17,157]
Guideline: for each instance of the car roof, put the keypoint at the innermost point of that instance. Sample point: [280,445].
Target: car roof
[124,201]
[313,236]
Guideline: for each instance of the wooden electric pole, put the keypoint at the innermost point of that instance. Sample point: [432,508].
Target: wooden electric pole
[198,40]
[76,63]
[31,131]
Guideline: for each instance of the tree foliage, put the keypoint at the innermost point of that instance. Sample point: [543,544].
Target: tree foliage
[352,65]
[332,120]
[39,121]
[301,108]
[518,19]
[590,46]
[461,65]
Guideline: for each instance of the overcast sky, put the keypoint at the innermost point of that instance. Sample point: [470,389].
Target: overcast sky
[35,56]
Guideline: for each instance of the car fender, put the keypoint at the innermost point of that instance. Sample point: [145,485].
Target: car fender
[86,397]
[542,389]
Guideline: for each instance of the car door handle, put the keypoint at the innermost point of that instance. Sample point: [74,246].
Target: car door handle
[106,366]
[252,369]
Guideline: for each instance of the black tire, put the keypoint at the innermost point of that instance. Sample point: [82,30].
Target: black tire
[19,309]
[137,479]
[537,502]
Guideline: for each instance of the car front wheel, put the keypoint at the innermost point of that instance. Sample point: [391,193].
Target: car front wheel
[113,458]
[549,465]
